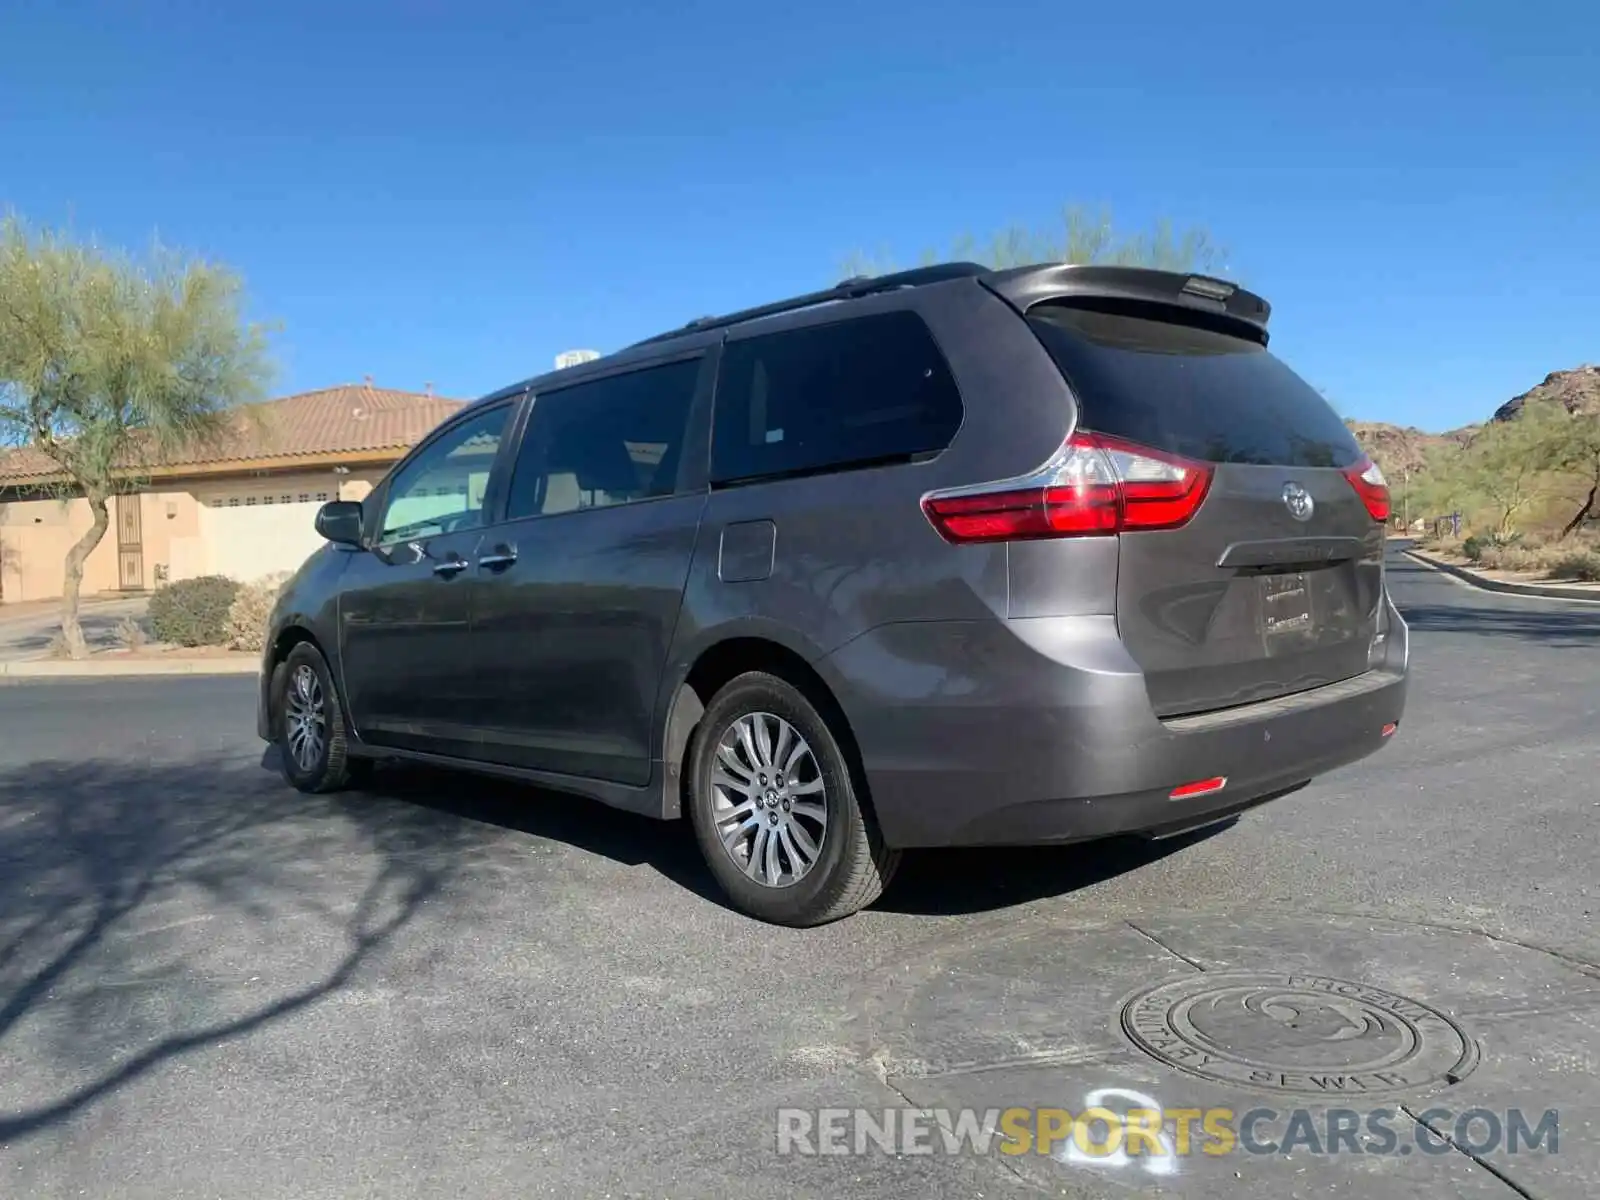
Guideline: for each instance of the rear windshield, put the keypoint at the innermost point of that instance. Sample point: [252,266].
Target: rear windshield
[1197,392]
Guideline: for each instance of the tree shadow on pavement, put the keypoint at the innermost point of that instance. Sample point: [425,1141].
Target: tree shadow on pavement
[1564,628]
[99,630]
[149,911]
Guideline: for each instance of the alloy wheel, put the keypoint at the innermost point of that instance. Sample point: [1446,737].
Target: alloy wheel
[768,802]
[306,718]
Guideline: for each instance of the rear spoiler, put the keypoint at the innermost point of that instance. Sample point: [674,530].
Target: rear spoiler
[1025,287]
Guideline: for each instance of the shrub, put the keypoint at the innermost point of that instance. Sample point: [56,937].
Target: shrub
[252,608]
[129,634]
[1582,565]
[1510,558]
[193,612]
[1474,547]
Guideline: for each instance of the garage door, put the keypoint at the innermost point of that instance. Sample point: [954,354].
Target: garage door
[249,541]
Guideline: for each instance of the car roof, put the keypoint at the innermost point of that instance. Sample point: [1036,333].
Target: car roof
[1022,287]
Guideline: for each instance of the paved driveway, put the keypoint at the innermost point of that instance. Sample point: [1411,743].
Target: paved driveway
[211,986]
[27,635]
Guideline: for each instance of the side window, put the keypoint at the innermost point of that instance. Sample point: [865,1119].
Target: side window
[612,441]
[442,489]
[826,397]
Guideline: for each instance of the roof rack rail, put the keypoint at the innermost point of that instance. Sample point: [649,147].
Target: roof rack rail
[847,289]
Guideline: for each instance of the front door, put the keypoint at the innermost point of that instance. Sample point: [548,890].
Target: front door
[130,543]
[405,604]
[580,586]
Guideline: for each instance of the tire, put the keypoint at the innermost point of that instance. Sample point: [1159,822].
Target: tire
[819,870]
[319,762]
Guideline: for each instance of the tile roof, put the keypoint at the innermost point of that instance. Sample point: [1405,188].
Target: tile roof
[349,419]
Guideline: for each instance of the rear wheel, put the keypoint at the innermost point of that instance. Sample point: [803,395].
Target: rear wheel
[312,749]
[775,807]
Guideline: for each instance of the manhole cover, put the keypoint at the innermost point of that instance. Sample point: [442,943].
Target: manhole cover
[1298,1033]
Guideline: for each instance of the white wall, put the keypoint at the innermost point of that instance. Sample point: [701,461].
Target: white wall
[247,543]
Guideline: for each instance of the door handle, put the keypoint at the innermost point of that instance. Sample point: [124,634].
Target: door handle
[450,568]
[503,556]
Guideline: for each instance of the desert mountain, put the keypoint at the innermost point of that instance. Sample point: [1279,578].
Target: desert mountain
[1578,391]
[1397,449]
[1404,448]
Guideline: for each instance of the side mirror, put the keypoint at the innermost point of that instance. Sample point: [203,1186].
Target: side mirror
[340,521]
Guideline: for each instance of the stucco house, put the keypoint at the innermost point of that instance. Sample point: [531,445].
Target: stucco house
[241,506]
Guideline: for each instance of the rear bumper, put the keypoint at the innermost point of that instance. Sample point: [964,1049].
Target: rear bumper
[1040,730]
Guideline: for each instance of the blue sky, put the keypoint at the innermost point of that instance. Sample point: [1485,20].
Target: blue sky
[454,192]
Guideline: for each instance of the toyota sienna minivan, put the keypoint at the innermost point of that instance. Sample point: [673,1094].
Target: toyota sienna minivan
[950,557]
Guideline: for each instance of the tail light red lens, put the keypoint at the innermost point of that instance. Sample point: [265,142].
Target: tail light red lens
[1371,486]
[1094,485]
[1200,787]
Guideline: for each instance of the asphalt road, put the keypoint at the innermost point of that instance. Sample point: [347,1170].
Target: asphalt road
[211,986]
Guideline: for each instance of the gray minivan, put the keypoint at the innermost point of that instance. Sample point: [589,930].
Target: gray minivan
[948,557]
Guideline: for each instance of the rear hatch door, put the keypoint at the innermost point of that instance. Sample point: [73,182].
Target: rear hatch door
[1274,586]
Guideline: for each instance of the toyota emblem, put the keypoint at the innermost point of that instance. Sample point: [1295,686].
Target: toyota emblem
[1298,501]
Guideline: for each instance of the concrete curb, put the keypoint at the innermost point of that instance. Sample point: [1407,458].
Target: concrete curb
[1552,591]
[57,669]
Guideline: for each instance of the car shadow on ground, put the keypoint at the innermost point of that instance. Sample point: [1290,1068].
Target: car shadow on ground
[929,882]
[964,882]
[668,847]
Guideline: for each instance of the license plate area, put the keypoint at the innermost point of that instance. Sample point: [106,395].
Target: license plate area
[1286,610]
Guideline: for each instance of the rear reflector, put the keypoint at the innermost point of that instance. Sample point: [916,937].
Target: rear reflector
[1371,486]
[1094,485]
[1388,730]
[1200,787]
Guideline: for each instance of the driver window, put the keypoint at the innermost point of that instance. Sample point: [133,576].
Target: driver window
[442,489]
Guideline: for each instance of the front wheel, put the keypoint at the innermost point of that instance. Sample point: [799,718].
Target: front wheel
[311,736]
[776,811]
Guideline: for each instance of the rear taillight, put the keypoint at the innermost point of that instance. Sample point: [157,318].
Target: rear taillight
[1371,486]
[1093,485]
[1200,787]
